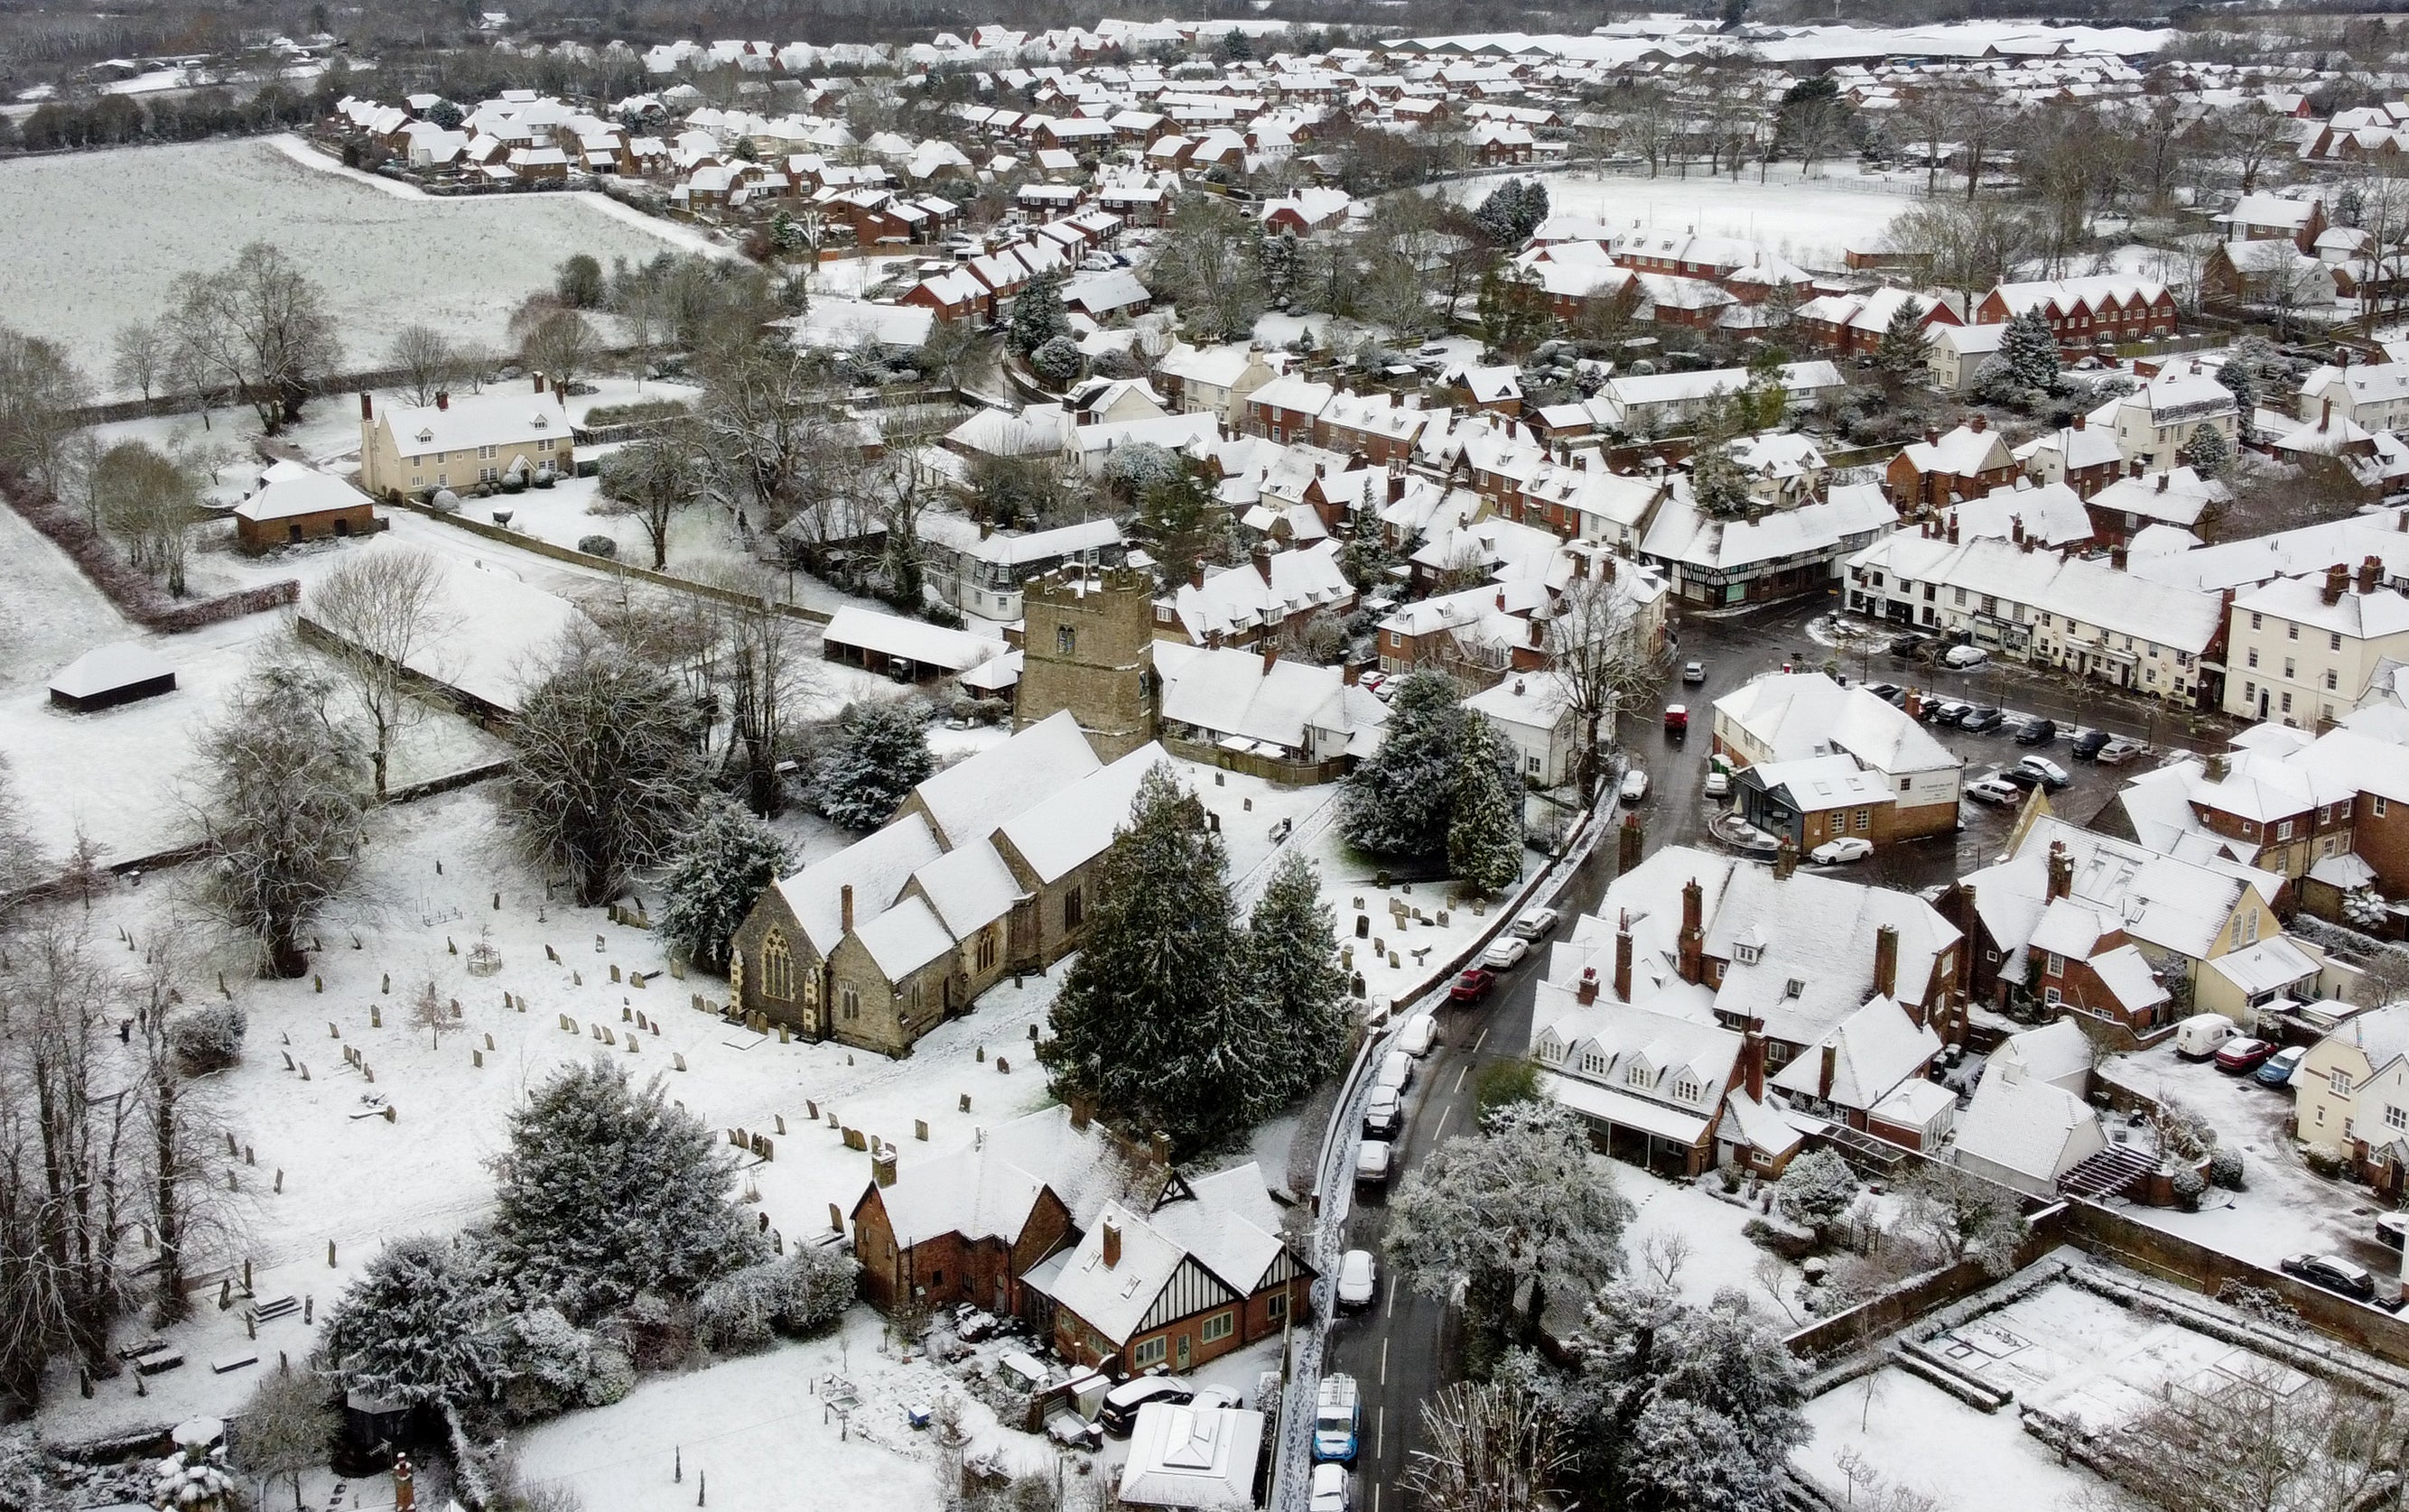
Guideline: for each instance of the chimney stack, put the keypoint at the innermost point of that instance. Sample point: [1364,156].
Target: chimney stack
[1112,1243]
[2061,871]
[2077,421]
[405,1494]
[1263,562]
[2370,575]
[2116,556]
[2162,482]
[2325,416]
[2337,582]
[1785,860]
[1952,527]
[1082,1110]
[367,405]
[1979,424]
[1824,1075]
[1752,1060]
[1931,436]
[1627,842]
[1622,965]
[1271,655]
[1692,946]
[1196,576]
[1587,991]
[882,1165]
[539,381]
[844,908]
[1886,962]
[442,399]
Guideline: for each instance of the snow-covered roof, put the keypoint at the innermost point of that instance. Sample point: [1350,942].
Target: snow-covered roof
[875,867]
[975,797]
[913,639]
[1873,1050]
[289,498]
[106,669]
[2022,1124]
[500,417]
[1193,1457]
[1795,716]
[1073,826]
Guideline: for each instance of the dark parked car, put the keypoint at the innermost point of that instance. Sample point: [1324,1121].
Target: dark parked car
[1983,719]
[2333,1272]
[1119,1414]
[2037,732]
[2087,745]
[2021,776]
[1890,693]
[1908,645]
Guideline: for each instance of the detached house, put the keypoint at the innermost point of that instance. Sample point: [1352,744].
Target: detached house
[1836,751]
[2351,1093]
[1934,473]
[460,442]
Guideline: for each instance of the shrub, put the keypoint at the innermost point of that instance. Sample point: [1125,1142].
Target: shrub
[2225,1169]
[2325,1160]
[598,546]
[628,415]
[210,1038]
[798,1293]
[2189,1184]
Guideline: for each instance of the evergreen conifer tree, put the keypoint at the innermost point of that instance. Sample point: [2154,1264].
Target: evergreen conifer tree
[1037,315]
[1484,832]
[1397,799]
[1152,1022]
[610,1189]
[1906,347]
[879,754]
[2206,453]
[2028,351]
[1299,987]
[417,1325]
[721,866]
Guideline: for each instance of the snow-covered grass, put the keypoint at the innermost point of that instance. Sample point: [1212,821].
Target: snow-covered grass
[1423,946]
[1917,1436]
[1811,221]
[1718,1256]
[54,613]
[2284,1207]
[95,239]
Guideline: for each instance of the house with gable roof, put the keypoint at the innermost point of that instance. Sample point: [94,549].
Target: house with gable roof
[1794,724]
[2352,1092]
[456,442]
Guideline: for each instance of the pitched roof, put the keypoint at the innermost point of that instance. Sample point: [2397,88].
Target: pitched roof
[973,798]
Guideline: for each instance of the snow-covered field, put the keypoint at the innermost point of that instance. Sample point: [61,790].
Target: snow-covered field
[92,240]
[1811,221]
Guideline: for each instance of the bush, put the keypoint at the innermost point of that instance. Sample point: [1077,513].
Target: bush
[598,546]
[2225,1169]
[2189,1184]
[628,415]
[2325,1160]
[1818,1190]
[444,502]
[797,1294]
[209,1039]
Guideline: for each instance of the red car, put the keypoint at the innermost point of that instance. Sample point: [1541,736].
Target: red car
[2244,1055]
[1472,986]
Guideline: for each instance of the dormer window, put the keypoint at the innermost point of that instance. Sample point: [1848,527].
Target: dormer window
[541,423]
[1636,1076]
[425,436]
[1794,989]
[1745,955]
[1688,1090]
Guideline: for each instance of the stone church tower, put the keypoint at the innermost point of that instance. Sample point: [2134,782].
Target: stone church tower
[1087,646]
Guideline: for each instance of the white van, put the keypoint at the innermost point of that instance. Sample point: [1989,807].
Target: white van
[2202,1035]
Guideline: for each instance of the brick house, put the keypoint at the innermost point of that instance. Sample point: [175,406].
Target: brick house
[2083,311]
[1967,463]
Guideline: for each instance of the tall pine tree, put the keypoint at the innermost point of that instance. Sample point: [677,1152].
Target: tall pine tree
[417,1325]
[2028,351]
[721,866]
[1298,985]
[1484,832]
[880,753]
[1152,1023]
[1397,799]
[1906,347]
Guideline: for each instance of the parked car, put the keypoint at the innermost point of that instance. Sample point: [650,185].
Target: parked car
[1535,923]
[1334,1489]
[1677,719]
[1373,1163]
[2020,775]
[1216,1396]
[2052,775]
[1416,1036]
[1357,1279]
[1505,953]
[1336,1414]
[2202,1035]
[1693,671]
[1373,683]
[1384,1112]
[1995,790]
[2118,751]
[2037,732]
[1635,785]
[1471,986]
[2088,745]
[2278,1070]
[2392,1230]
[1396,1071]
[1981,719]
[1962,658]
[2243,1053]
[1841,851]
[2333,1272]
[1119,1414]
[1887,692]
[1718,785]
[1909,645]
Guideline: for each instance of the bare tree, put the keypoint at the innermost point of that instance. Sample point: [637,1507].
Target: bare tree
[40,390]
[2250,136]
[763,673]
[561,346]
[23,865]
[2257,1438]
[1601,665]
[654,479]
[1206,262]
[606,765]
[426,361]
[259,328]
[286,1428]
[141,361]
[1492,1448]
[179,1124]
[381,610]
[762,429]
[427,1012]
[280,811]
[149,502]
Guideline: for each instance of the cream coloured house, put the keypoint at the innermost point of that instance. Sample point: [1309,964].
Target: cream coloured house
[2156,421]
[459,442]
[2304,651]
[2351,1092]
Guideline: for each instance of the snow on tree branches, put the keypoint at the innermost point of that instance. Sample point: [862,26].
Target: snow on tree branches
[721,866]
[878,754]
[1442,783]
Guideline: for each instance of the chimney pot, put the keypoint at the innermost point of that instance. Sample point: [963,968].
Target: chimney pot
[1587,990]
[2077,421]
[844,907]
[1621,965]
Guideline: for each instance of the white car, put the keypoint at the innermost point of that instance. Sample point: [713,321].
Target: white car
[1334,1489]
[1396,1071]
[1417,1034]
[1358,1280]
[1373,1159]
[1384,1111]
[1995,790]
[1635,785]
[1507,951]
[1535,922]
[1718,785]
[1964,657]
[2051,774]
[1841,851]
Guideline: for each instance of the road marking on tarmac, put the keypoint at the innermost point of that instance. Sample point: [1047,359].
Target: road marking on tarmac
[1384,1361]
[1481,1041]
[1460,1076]
[1380,1433]
[1391,1311]
[1445,1114]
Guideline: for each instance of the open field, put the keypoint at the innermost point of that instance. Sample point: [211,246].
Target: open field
[1810,221]
[95,239]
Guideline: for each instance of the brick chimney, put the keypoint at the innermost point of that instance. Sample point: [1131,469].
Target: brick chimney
[1196,576]
[1752,1061]
[2370,575]
[1112,1243]
[2016,528]
[844,908]
[442,399]
[1586,991]
[1622,965]
[2337,582]
[1692,963]
[539,381]
[1263,562]
[1952,527]
[1886,962]
[1350,673]
[2162,482]
[1082,1110]
[1931,436]
[367,405]
[1627,842]
[1914,709]
[1824,1073]
[1979,424]
[2325,415]
[2116,556]
[2077,421]
[1785,860]
[405,1494]
[1396,486]
[2061,871]
[1271,655]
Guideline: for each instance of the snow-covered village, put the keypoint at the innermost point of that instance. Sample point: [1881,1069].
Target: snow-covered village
[1353,756]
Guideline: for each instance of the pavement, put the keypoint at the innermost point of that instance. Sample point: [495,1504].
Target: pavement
[1404,1348]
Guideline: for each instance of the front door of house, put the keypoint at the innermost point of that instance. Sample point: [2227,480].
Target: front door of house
[1183,1351]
